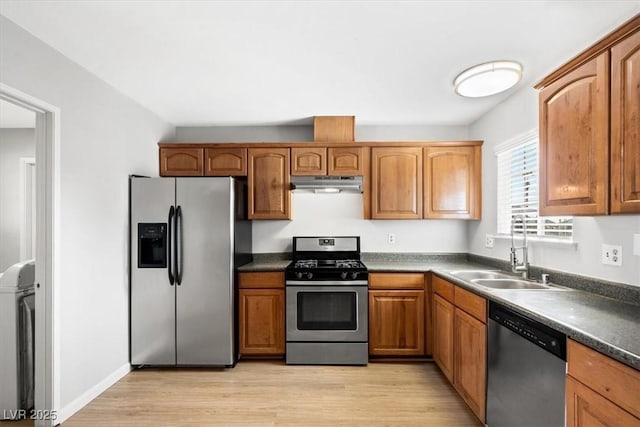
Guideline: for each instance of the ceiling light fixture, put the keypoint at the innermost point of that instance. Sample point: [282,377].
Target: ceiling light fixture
[488,78]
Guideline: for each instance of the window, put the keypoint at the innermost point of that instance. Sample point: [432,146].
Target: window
[518,192]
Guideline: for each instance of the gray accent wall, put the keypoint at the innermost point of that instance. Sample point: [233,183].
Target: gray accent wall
[304,132]
[14,145]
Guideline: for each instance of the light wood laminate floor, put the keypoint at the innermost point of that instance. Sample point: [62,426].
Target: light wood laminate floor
[267,393]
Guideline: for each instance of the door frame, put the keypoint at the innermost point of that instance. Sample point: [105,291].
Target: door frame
[47,360]
[27,211]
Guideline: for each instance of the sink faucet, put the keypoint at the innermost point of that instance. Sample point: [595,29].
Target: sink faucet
[520,266]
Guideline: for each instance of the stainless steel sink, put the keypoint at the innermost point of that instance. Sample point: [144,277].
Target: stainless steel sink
[495,279]
[510,283]
[480,274]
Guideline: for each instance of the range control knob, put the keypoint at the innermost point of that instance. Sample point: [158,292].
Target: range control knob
[343,275]
[309,276]
[354,275]
[298,275]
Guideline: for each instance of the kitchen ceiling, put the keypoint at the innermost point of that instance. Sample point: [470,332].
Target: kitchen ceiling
[205,63]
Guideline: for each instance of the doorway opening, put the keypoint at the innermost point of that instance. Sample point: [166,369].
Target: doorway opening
[29,212]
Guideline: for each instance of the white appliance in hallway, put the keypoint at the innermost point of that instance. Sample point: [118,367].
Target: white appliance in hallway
[17,334]
[188,235]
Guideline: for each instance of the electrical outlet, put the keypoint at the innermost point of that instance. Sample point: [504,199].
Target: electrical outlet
[391,238]
[488,241]
[636,244]
[612,255]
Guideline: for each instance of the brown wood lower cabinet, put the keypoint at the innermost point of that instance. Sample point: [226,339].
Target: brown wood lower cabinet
[261,314]
[396,323]
[600,391]
[443,315]
[470,356]
[585,407]
[396,314]
[460,341]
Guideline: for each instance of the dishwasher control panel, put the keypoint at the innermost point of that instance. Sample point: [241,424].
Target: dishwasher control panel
[551,340]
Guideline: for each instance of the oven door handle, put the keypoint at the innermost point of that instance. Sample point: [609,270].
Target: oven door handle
[326,283]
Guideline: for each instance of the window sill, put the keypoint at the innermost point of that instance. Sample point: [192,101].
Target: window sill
[541,241]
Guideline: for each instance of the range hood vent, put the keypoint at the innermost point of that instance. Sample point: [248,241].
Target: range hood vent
[327,184]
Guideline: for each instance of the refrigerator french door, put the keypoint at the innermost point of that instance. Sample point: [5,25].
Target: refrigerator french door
[182,297]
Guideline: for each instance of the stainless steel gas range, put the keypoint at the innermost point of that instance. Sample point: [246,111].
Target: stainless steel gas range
[327,303]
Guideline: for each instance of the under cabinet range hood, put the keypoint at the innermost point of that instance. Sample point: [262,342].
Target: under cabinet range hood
[327,184]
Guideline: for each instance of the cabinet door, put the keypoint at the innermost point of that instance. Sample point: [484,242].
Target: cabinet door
[269,183]
[396,323]
[586,408]
[181,161]
[574,141]
[443,335]
[470,361]
[225,161]
[452,182]
[625,125]
[261,321]
[347,161]
[309,161]
[396,183]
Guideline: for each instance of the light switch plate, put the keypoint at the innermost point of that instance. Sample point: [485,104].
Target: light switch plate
[612,255]
[636,244]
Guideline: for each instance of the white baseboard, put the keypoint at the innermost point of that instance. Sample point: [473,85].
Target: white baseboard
[67,411]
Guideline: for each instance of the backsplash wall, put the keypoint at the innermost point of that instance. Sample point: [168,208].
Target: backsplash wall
[341,214]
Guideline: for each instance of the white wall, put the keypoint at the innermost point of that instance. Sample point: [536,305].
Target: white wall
[14,144]
[104,136]
[341,214]
[515,116]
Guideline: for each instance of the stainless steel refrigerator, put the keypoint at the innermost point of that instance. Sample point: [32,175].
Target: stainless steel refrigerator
[187,236]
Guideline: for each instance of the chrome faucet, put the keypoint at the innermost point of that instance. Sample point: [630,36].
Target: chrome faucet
[523,266]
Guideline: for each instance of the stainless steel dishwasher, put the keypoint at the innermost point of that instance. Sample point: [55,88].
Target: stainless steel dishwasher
[526,368]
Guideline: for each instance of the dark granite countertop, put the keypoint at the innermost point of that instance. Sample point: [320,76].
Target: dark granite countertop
[606,324]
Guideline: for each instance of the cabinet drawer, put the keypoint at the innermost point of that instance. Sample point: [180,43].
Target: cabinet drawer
[262,279]
[617,382]
[396,281]
[471,303]
[443,288]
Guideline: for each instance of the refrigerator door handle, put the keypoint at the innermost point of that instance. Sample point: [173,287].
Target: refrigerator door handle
[169,231]
[179,245]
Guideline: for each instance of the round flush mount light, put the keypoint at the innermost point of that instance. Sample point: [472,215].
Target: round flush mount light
[488,78]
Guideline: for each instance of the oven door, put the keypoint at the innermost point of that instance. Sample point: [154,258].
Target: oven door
[325,313]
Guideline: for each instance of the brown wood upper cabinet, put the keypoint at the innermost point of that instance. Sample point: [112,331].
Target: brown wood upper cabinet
[181,161]
[269,183]
[589,119]
[309,161]
[334,161]
[396,182]
[346,161]
[625,125]
[574,141]
[452,182]
[225,161]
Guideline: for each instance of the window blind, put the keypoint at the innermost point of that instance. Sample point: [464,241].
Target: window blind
[518,195]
